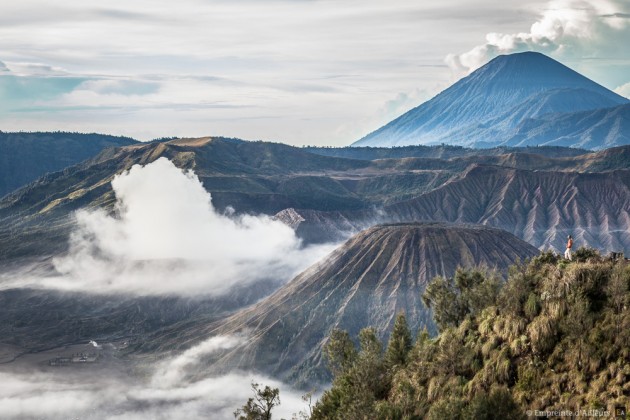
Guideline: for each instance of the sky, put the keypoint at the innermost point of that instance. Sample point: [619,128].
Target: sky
[302,72]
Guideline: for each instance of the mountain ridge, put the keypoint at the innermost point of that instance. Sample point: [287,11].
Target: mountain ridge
[541,207]
[259,177]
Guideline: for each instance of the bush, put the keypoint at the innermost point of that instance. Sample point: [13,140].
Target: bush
[260,405]
[498,404]
[584,254]
[467,293]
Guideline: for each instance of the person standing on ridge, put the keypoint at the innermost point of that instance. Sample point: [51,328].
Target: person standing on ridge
[567,253]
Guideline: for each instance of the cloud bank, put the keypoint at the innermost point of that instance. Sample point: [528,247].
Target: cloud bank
[167,238]
[62,396]
[166,394]
[624,90]
[232,68]
[163,238]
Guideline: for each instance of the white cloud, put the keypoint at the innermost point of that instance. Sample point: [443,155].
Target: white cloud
[173,371]
[35,69]
[403,102]
[391,109]
[566,29]
[624,90]
[118,86]
[168,239]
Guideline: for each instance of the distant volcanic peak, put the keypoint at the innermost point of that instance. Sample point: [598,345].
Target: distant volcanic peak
[517,89]
[535,71]
[528,64]
[483,108]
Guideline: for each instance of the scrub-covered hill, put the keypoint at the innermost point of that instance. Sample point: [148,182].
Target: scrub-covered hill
[555,336]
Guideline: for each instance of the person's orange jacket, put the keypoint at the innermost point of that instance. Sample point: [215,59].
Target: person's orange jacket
[570,243]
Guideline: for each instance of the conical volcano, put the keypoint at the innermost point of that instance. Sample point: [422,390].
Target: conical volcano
[487,107]
[366,282]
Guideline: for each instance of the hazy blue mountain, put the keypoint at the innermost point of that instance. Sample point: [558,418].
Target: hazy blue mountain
[595,129]
[495,102]
[24,157]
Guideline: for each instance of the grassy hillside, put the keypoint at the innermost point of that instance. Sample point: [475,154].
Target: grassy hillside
[555,336]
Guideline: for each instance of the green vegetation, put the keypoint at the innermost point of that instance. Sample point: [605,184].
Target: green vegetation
[554,336]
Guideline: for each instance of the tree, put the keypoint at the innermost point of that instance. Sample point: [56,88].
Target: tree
[259,407]
[467,293]
[360,378]
[442,297]
[399,343]
[340,352]
[304,414]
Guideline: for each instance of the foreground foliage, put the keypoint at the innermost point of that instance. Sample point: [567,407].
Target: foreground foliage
[259,407]
[555,336]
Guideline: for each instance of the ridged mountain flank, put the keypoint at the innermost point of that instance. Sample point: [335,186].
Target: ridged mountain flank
[495,102]
[541,206]
[366,282]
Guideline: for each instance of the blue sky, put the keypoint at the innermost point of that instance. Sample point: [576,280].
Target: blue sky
[321,72]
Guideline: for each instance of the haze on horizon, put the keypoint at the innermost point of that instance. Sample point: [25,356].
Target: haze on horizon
[298,71]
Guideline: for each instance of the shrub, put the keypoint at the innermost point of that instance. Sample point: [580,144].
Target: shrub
[584,254]
[498,404]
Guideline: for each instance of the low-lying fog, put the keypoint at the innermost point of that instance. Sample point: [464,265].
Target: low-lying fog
[109,390]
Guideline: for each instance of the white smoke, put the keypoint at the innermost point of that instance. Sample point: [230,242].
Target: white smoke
[566,28]
[168,239]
